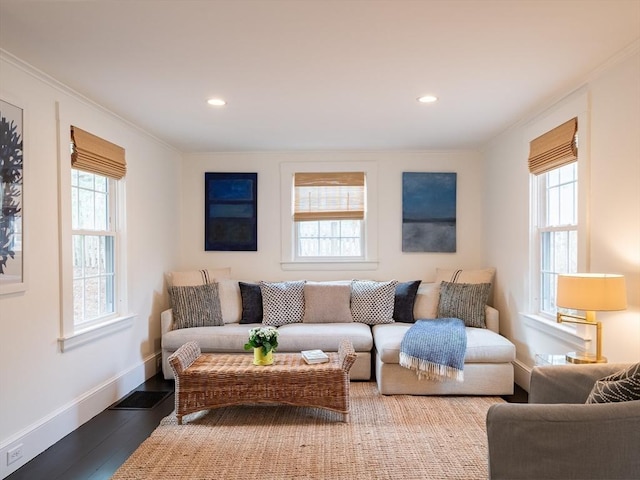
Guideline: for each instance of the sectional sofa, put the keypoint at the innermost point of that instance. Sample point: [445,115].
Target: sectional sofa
[217,312]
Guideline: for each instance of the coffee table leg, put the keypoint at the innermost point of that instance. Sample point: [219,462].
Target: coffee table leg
[345,417]
[179,417]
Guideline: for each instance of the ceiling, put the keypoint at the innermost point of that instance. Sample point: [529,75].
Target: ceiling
[320,74]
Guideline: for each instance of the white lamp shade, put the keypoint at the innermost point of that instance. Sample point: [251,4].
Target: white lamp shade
[592,292]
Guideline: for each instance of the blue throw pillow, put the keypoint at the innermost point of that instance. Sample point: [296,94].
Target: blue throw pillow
[404,300]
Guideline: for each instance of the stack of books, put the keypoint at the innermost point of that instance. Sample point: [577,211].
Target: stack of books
[314,356]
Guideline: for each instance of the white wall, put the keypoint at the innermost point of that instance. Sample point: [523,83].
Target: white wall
[44,394]
[265,263]
[613,211]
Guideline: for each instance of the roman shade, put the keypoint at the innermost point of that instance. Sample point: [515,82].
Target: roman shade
[554,149]
[329,196]
[93,154]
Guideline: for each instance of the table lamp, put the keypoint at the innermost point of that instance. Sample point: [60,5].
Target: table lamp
[590,292]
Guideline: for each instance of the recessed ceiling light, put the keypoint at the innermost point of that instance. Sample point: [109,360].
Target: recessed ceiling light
[427,99]
[216,102]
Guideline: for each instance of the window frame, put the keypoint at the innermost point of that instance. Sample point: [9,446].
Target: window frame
[72,335]
[289,258]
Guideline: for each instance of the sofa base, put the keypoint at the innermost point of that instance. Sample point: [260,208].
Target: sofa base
[479,379]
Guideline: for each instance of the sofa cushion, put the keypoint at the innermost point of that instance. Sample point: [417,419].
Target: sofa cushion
[196,306]
[230,301]
[372,302]
[426,303]
[404,301]
[464,276]
[465,301]
[622,386]
[197,277]
[325,336]
[229,338]
[251,297]
[282,302]
[483,346]
[327,302]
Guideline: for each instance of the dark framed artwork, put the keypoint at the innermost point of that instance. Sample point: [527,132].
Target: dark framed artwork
[428,212]
[12,271]
[231,211]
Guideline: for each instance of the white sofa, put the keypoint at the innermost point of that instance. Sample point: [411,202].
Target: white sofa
[487,371]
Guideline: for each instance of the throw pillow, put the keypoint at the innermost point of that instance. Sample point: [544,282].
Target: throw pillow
[282,302]
[622,386]
[196,306]
[465,276]
[404,301]
[197,277]
[426,304]
[230,303]
[327,303]
[465,301]
[251,302]
[372,302]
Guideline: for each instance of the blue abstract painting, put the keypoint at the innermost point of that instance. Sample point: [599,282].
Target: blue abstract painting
[231,211]
[428,212]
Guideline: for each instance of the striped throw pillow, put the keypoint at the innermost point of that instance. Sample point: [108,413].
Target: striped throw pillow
[465,301]
[196,306]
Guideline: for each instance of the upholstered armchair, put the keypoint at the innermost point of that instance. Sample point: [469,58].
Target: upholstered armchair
[557,436]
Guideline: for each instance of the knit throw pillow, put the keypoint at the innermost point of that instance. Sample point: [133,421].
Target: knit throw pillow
[622,386]
[372,302]
[282,302]
[196,306]
[465,301]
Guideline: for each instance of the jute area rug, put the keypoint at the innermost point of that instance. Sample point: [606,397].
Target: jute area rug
[388,437]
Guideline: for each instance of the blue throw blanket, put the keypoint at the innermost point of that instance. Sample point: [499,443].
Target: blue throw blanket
[435,349]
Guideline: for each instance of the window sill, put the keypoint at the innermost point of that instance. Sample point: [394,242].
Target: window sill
[566,333]
[89,334]
[329,265]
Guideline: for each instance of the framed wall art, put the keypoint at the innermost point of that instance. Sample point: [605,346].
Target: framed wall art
[428,212]
[12,271]
[231,211]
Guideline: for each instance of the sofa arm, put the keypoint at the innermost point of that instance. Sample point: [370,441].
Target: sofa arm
[166,321]
[567,383]
[492,318]
[564,441]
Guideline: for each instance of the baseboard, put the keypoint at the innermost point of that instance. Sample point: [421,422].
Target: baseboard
[521,374]
[39,436]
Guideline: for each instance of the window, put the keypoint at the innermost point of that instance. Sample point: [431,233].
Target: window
[92,250]
[94,246]
[552,159]
[557,230]
[329,213]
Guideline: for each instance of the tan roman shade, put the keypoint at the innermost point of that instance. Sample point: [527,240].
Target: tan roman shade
[554,149]
[95,155]
[329,196]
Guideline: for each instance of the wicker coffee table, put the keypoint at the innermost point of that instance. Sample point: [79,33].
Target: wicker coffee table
[210,380]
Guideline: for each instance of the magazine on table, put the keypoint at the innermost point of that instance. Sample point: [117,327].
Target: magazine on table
[314,356]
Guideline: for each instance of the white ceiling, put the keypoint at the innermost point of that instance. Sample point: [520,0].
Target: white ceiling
[320,74]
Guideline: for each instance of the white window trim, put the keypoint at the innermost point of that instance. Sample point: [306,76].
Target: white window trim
[287,252]
[577,105]
[72,335]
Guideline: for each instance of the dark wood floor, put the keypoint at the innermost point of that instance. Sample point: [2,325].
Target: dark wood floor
[96,449]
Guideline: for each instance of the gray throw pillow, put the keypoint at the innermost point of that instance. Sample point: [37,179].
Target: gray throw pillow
[622,386]
[196,306]
[372,302]
[326,302]
[465,301]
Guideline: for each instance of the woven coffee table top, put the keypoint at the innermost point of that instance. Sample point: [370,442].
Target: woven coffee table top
[241,363]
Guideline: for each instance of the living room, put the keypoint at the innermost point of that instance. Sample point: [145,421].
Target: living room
[50,387]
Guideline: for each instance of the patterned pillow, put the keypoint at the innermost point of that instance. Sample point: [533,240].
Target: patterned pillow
[282,302]
[404,300]
[251,302]
[623,386]
[372,302]
[465,301]
[196,306]
[197,277]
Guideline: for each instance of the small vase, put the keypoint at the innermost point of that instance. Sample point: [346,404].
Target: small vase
[259,358]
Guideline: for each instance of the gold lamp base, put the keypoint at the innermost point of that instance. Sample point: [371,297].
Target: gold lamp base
[575,357]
